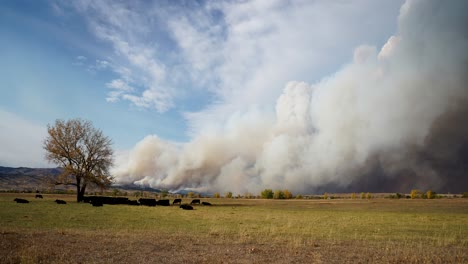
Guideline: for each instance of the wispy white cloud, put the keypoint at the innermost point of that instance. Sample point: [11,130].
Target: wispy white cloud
[136,61]
[119,88]
[80,60]
[240,53]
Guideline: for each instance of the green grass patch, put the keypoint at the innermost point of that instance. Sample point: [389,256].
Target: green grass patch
[435,222]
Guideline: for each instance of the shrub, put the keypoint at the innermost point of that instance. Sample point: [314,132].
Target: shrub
[287,194]
[415,194]
[278,194]
[353,196]
[368,196]
[363,195]
[299,196]
[267,194]
[465,195]
[216,195]
[325,196]
[228,195]
[430,194]
[190,195]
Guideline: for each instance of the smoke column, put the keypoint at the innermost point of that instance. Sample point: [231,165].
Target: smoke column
[393,119]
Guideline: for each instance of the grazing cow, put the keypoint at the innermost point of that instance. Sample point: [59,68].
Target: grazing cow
[195,201]
[18,200]
[39,196]
[163,202]
[106,199]
[96,203]
[60,201]
[206,203]
[133,202]
[147,202]
[186,207]
[86,199]
[177,201]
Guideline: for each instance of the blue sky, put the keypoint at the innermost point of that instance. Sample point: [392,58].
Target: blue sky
[165,68]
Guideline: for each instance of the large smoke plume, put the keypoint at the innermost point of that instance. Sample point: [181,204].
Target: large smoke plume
[393,119]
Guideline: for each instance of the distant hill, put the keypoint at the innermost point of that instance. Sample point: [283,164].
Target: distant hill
[31,179]
[23,178]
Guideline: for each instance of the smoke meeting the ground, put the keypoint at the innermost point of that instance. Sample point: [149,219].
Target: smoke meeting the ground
[392,119]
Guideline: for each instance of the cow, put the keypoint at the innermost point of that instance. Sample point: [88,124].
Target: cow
[163,202]
[206,203]
[39,196]
[195,201]
[60,201]
[177,201]
[147,201]
[18,200]
[97,203]
[107,200]
[186,207]
[86,199]
[133,202]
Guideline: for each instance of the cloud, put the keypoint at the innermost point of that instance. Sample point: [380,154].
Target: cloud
[236,53]
[389,120]
[21,142]
[134,60]
[119,87]
[80,60]
[247,54]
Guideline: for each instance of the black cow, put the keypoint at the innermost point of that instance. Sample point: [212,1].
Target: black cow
[60,201]
[133,202]
[106,200]
[147,201]
[39,196]
[206,203]
[186,207]
[177,201]
[97,203]
[86,199]
[195,201]
[163,202]
[18,200]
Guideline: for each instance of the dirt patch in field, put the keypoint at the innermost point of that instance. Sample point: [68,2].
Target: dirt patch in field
[99,247]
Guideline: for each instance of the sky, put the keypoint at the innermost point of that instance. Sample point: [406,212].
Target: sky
[168,80]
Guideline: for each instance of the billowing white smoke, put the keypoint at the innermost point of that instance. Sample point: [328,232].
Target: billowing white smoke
[382,106]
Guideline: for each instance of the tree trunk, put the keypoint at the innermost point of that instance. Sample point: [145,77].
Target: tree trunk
[80,189]
[80,193]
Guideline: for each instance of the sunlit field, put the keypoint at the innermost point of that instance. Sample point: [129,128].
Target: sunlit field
[235,231]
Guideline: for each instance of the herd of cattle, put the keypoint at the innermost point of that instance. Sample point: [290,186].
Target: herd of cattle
[101,200]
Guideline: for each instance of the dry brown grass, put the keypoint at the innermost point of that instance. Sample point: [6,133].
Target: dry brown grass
[98,247]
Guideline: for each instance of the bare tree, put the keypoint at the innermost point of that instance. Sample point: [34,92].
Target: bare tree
[82,151]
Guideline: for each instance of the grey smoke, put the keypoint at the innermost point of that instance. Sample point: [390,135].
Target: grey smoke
[393,119]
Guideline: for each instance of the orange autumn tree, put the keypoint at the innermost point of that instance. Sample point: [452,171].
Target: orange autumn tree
[82,151]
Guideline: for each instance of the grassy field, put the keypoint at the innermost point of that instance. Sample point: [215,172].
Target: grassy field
[235,231]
